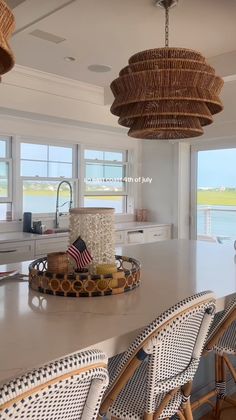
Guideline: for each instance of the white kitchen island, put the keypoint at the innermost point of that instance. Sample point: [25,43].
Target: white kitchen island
[37,328]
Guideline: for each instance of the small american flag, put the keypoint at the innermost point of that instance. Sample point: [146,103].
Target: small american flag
[78,251]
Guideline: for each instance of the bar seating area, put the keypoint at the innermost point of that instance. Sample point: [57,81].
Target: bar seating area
[151,380]
[145,374]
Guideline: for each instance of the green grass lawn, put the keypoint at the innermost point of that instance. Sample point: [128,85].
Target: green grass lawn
[216,198]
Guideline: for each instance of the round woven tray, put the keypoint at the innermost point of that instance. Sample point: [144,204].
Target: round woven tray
[85,284]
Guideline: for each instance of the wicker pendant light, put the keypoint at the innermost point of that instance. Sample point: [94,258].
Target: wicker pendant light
[166,93]
[7,26]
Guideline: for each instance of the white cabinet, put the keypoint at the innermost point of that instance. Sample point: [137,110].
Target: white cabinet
[23,250]
[135,236]
[144,235]
[119,237]
[45,246]
[16,251]
[159,233]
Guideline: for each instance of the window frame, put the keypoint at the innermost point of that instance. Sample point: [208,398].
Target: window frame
[15,198]
[7,159]
[125,163]
[73,180]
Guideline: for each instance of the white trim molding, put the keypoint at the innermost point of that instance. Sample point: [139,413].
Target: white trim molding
[26,90]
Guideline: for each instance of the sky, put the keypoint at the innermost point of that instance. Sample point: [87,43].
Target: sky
[217,168]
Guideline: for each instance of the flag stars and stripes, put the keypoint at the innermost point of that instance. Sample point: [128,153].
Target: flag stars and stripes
[79,252]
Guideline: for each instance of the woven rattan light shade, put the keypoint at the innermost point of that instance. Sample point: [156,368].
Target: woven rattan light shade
[166,93]
[7,26]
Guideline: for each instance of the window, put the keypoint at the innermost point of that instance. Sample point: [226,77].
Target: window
[42,167]
[5,178]
[105,173]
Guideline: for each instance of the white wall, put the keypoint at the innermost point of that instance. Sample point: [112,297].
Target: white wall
[158,163]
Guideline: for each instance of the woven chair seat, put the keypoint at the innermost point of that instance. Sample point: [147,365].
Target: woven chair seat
[130,404]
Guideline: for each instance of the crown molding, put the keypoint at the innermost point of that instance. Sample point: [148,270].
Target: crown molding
[36,80]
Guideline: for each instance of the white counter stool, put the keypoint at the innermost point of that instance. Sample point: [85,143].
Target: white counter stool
[67,389]
[221,340]
[152,379]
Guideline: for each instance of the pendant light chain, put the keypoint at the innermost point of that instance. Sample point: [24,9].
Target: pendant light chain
[167,27]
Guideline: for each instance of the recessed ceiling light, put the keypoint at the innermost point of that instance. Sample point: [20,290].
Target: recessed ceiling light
[69,59]
[99,68]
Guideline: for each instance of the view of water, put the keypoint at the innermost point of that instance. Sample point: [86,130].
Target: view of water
[219,221]
[47,204]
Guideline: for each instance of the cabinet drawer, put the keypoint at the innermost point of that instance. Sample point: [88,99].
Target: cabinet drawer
[119,237]
[16,251]
[45,246]
[160,233]
[135,237]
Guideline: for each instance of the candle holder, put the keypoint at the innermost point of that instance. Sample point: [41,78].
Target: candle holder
[96,226]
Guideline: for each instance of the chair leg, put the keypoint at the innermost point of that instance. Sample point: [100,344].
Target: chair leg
[188,411]
[180,415]
[220,384]
[186,406]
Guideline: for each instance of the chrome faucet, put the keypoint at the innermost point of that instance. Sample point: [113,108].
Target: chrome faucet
[57,202]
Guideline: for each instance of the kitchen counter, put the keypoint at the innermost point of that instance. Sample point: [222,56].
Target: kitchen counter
[24,236]
[37,328]
[137,225]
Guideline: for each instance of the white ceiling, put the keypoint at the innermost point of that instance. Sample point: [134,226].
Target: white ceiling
[107,32]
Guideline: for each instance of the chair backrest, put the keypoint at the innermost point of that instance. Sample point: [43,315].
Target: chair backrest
[66,389]
[171,345]
[222,322]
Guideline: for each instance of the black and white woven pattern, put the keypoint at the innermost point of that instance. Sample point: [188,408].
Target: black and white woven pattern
[227,343]
[78,396]
[173,342]
[131,403]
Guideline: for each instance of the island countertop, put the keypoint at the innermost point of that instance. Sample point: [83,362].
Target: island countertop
[37,328]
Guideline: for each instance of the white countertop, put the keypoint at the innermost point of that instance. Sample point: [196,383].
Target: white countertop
[24,236]
[37,328]
[137,225]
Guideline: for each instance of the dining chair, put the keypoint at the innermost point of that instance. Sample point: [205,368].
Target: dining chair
[70,388]
[152,379]
[222,341]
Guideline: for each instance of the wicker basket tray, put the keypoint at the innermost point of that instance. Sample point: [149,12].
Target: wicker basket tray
[85,284]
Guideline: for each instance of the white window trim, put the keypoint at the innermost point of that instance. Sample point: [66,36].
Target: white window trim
[8,199]
[78,165]
[128,206]
[72,180]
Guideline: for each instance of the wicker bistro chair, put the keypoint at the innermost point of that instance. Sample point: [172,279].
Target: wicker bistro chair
[67,389]
[222,341]
[152,379]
